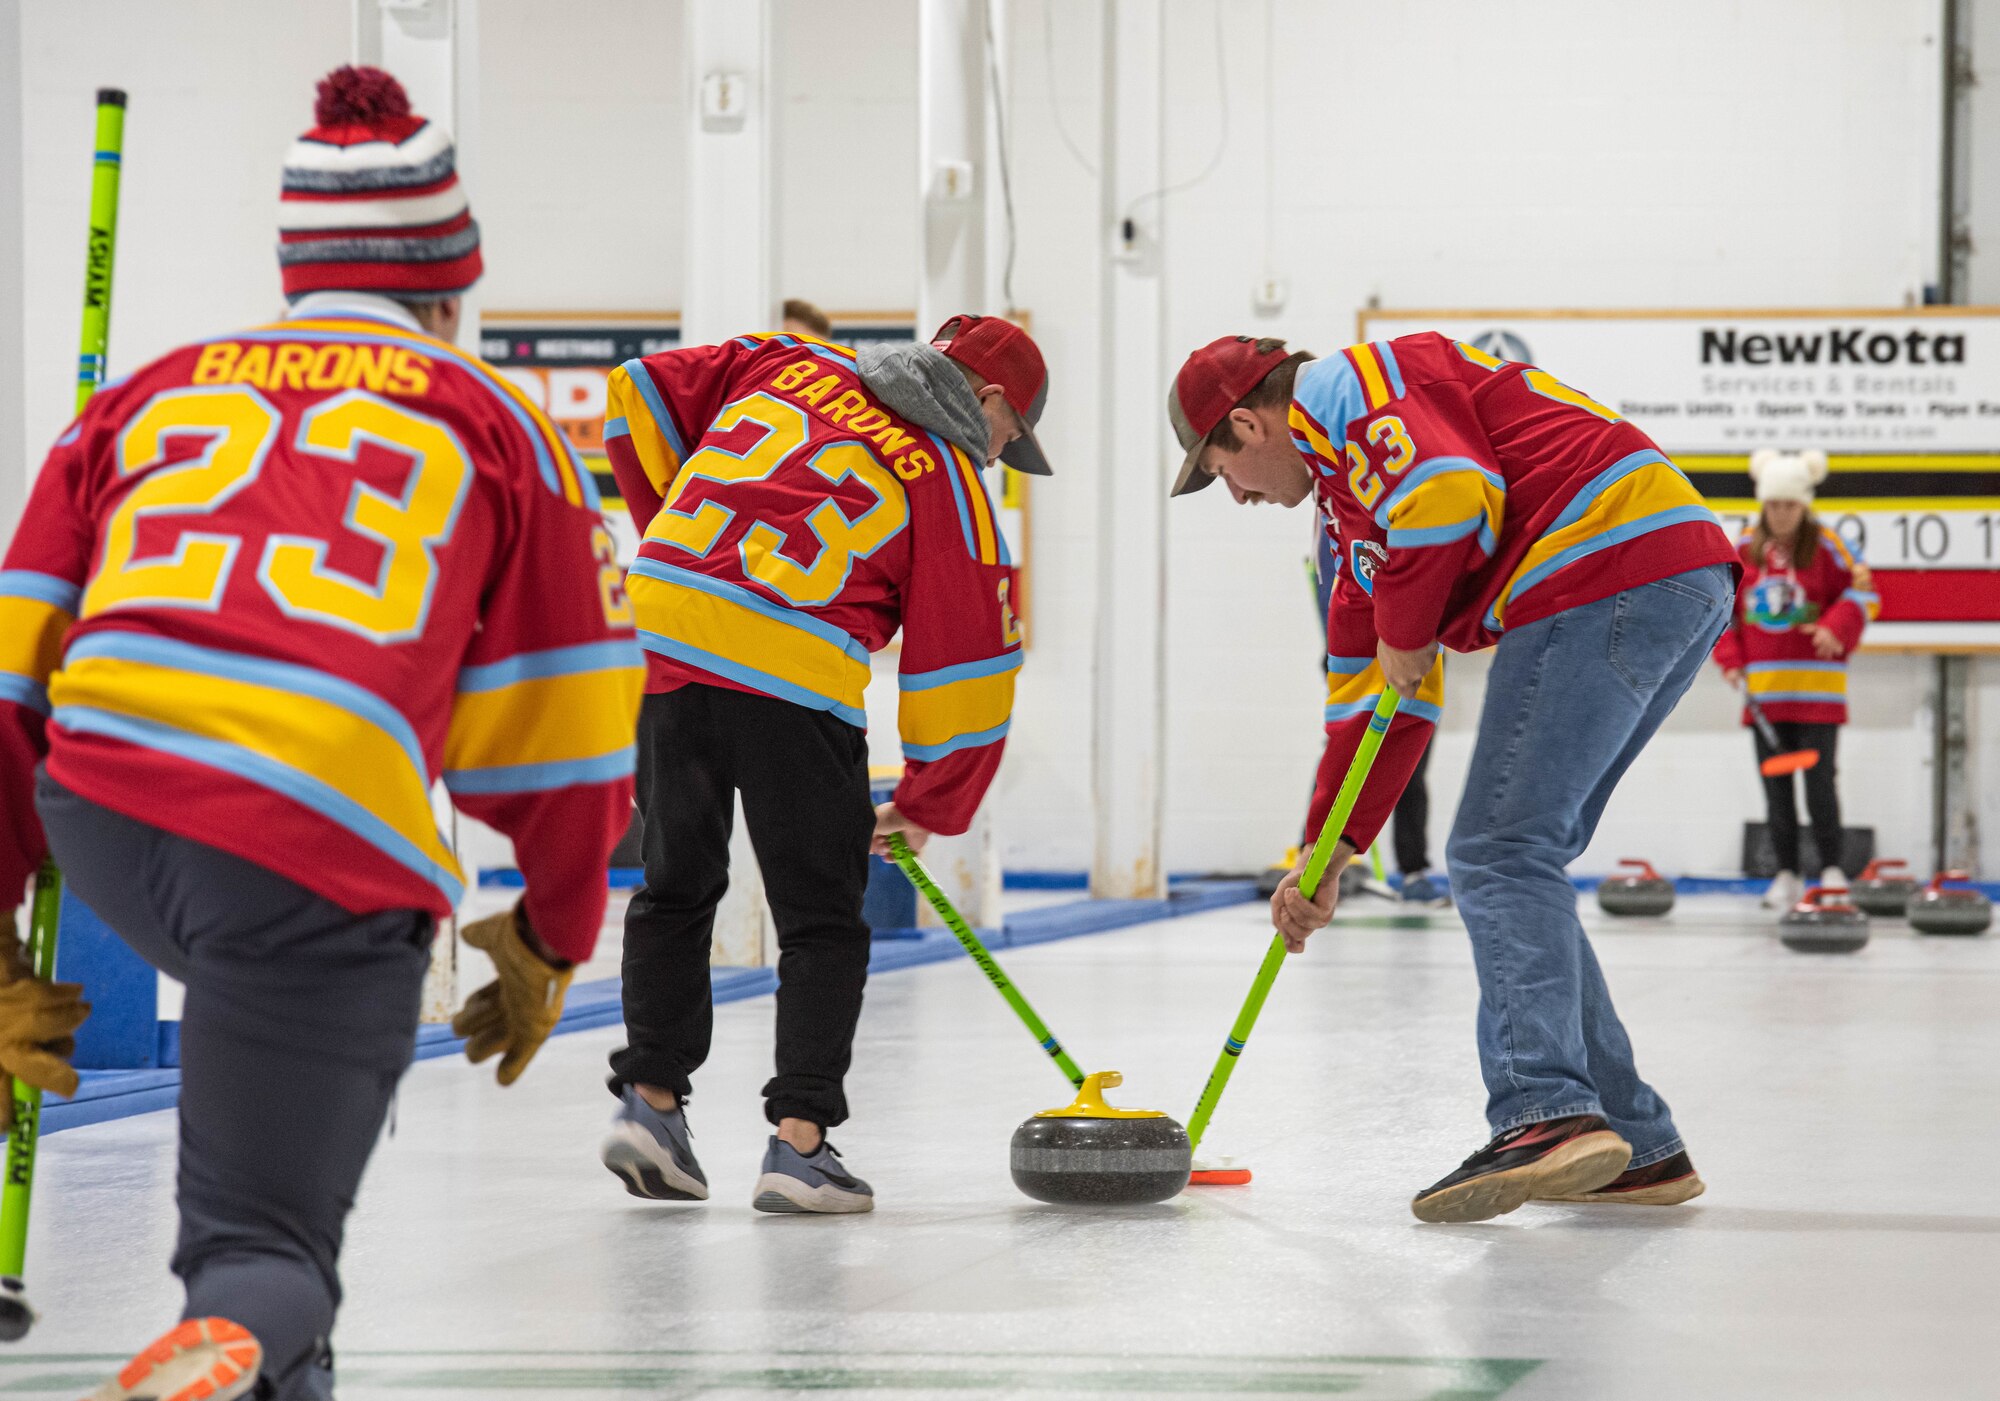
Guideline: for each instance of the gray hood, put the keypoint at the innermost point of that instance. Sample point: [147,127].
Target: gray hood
[924,386]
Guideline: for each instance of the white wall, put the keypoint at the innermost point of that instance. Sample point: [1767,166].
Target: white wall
[1548,155]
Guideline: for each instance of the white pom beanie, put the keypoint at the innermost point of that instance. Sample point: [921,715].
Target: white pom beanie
[1787,476]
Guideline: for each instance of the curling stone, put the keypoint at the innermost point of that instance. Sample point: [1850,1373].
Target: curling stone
[1643,891]
[1091,1154]
[16,1317]
[1878,892]
[1942,909]
[1823,922]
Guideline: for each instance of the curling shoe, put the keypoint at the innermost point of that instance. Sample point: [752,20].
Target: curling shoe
[1424,889]
[1833,878]
[203,1359]
[1669,1182]
[1552,1158]
[1784,892]
[652,1152]
[795,1183]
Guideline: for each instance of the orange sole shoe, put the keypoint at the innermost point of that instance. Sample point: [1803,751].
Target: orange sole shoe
[202,1359]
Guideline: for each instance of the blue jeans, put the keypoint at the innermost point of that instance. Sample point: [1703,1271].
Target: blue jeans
[1570,702]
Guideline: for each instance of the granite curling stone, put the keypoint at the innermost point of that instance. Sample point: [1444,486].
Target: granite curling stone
[1942,909]
[1823,922]
[1091,1154]
[1879,891]
[1643,891]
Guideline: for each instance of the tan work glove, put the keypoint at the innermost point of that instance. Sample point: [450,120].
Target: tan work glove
[512,1015]
[38,1022]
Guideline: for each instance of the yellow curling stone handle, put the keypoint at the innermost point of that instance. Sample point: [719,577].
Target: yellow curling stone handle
[1090,1101]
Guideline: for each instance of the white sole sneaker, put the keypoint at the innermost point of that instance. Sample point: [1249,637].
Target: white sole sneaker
[785,1195]
[203,1359]
[647,1170]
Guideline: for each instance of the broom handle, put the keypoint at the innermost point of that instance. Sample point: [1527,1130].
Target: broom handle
[939,901]
[1274,956]
[107,159]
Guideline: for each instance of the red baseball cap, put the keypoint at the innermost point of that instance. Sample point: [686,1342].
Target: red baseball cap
[1214,380]
[1001,352]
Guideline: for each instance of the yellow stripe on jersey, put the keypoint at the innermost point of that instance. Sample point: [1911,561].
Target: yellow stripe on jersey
[1354,687]
[956,707]
[1444,502]
[553,730]
[1640,493]
[981,508]
[1373,381]
[1800,681]
[1302,426]
[31,637]
[315,739]
[650,443]
[741,636]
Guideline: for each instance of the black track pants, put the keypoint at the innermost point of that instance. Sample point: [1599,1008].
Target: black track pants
[1822,798]
[803,775]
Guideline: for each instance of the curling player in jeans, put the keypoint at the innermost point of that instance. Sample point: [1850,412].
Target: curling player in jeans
[1477,502]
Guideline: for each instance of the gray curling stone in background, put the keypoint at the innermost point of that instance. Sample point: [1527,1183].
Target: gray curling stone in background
[1942,909]
[1091,1154]
[1880,890]
[1823,922]
[1643,891]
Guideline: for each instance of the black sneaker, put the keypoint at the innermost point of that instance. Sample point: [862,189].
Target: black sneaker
[1554,1158]
[1669,1182]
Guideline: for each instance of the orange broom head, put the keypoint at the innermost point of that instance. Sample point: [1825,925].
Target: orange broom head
[1778,765]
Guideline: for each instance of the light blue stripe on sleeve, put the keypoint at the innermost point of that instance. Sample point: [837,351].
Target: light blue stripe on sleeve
[964,671]
[540,778]
[24,692]
[1347,666]
[927,753]
[1864,599]
[1330,391]
[1444,534]
[258,671]
[616,427]
[1389,364]
[1617,535]
[556,661]
[268,773]
[656,406]
[1583,500]
[43,588]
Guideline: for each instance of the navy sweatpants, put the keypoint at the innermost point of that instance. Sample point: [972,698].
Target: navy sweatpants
[300,1019]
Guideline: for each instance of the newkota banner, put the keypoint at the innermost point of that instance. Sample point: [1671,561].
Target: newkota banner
[1906,404]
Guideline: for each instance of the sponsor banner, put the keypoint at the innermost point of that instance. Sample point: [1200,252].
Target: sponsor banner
[1906,405]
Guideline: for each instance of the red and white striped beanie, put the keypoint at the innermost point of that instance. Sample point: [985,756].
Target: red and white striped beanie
[372,201]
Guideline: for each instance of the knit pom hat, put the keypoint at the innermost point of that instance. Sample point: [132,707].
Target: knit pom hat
[1787,476]
[372,201]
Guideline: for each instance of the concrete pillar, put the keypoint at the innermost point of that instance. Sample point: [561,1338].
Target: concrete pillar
[730,276]
[432,47]
[958,201]
[1128,754]
[17,464]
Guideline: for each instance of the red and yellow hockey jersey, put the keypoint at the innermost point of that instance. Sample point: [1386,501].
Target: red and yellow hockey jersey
[1468,495]
[1770,639]
[273,585]
[791,524]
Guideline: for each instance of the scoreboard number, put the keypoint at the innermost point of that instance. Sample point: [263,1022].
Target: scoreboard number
[1909,539]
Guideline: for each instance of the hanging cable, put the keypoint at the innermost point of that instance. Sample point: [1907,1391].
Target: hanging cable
[1000,145]
[1049,70]
[1221,135]
[1270,132]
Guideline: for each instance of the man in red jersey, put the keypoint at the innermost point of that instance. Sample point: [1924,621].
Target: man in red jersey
[801,502]
[267,590]
[1474,502]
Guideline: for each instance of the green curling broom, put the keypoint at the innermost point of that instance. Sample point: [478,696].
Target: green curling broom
[17,1193]
[939,901]
[1227,1173]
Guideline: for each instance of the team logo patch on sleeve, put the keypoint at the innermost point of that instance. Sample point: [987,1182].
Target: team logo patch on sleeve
[1369,556]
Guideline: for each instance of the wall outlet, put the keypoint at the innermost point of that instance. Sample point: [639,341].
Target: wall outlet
[725,101]
[952,181]
[1269,295]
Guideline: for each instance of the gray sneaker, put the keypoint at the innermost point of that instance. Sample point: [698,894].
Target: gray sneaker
[797,1183]
[651,1152]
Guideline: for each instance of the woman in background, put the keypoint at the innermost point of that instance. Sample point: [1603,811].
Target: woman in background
[1800,611]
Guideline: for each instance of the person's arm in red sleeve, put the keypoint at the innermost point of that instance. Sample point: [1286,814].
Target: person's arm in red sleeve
[41,585]
[1848,616]
[541,743]
[656,411]
[1436,491]
[961,649]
